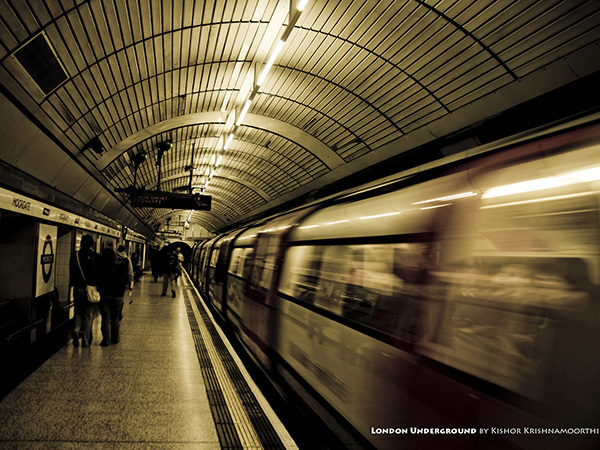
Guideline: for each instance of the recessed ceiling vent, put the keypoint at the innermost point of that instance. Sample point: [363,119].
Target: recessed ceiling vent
[41,63]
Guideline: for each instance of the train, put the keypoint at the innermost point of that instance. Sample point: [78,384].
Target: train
[452,305]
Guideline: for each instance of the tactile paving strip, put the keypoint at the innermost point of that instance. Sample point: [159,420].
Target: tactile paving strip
[239,418]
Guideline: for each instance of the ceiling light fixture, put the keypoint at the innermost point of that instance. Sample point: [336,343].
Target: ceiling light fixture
[270,62]
[301,5]
[228,142]
[244,111]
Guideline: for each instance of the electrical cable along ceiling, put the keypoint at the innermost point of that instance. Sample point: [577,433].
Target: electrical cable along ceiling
[265,101]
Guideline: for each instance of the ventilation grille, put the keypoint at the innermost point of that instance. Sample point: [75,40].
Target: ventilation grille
[41,63]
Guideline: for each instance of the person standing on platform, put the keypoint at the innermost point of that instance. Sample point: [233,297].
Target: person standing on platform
[171,272]
[116,278]
[83,271]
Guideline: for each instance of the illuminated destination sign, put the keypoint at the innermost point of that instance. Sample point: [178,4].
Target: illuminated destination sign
[170,200]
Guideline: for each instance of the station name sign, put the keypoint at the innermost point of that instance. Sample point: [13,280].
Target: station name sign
[158,199]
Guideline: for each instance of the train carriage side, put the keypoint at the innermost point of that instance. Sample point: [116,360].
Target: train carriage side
[463,305]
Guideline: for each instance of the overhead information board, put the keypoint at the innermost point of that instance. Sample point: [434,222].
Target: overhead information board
[170,200]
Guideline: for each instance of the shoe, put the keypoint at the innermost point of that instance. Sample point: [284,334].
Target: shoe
[104,344]
[163,294]
[173,294]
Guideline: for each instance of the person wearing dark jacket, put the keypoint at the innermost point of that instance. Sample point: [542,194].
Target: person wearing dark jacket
[83,271]
[171,272]
[116,278]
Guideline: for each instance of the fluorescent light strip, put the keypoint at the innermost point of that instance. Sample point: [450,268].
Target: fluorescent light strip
[270,62]
[435,206]
[219,159]
[301,5]
[539,200]
[580,176]
[379,215]
[449,197]
[244,111]
[228,141]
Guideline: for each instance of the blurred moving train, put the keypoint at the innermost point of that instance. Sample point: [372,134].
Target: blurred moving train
[454,297]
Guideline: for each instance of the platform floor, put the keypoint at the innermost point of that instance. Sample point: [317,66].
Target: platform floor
[165,385]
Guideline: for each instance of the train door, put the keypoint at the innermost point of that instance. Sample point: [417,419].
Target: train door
[212,290]
[193,265]
[260,291]
[237,273]
[204,265]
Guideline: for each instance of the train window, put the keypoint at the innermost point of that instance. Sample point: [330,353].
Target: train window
[333,277]
[504,315]
[240,261]
[373,290]
[261,273]
[236,261]
[213,257]
[566,224]
[377,285]
[300,275]
[202,259]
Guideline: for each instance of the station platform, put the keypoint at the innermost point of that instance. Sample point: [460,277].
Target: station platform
[173,381]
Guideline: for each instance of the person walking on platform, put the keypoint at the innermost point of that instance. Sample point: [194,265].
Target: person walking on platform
[171,272]
[116,277]
[83,271]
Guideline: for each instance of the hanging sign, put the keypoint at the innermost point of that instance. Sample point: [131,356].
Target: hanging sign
[170,200]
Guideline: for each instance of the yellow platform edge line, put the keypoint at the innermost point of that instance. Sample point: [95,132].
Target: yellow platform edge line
[279,428]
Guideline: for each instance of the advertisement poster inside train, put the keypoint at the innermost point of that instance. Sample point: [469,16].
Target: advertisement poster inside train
[45,259]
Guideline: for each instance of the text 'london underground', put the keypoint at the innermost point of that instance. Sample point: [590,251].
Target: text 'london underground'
[492,430]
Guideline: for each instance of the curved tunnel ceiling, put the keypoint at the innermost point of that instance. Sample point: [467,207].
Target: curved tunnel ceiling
[354,84]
